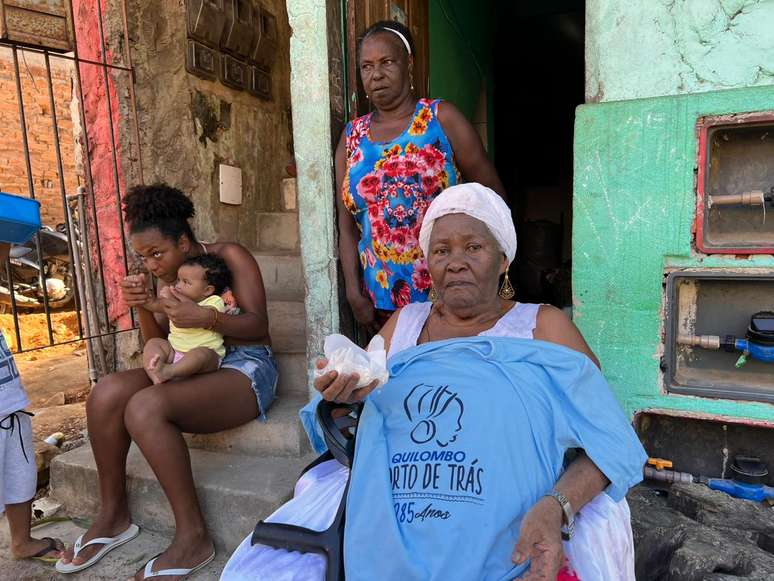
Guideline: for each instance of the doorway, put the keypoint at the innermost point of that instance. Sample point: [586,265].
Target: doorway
[517,72]
[538,82]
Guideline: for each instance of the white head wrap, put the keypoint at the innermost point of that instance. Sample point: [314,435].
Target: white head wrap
[478,202]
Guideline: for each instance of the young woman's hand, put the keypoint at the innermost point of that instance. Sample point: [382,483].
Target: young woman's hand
[341,388]
[364,311]
[185,313]
[135,291]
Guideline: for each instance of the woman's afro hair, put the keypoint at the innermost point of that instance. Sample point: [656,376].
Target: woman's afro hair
[159,206]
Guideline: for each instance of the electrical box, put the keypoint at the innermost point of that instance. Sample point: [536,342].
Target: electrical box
[206,19]
[716,303]
[40,23]
[260,83]
[238,32]
[232,41]
[230,184]
[735,184]
[202,60]
[233,72]
[264,47]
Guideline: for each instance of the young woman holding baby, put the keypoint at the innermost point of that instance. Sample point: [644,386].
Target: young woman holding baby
[131,406]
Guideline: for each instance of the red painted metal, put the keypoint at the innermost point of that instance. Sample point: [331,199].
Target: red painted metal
[703,127]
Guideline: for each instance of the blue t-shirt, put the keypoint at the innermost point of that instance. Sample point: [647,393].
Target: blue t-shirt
[12,395]
[463,440]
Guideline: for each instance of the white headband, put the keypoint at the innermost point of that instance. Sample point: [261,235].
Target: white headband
[403,38]
[478,202]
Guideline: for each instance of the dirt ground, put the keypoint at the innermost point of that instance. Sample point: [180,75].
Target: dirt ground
[56,378]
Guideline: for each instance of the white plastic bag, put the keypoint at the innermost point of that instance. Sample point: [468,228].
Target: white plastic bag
[345,357]
[602,547]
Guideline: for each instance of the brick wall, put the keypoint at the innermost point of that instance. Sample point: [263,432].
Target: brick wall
[13,173]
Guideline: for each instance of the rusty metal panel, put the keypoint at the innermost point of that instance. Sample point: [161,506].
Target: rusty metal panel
[40,23]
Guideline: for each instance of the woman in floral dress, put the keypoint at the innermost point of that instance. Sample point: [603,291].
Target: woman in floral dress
[390,164]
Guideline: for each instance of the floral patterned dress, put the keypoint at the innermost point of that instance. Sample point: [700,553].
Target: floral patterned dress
[388,187]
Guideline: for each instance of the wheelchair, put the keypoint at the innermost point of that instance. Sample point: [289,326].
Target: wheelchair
[330,542]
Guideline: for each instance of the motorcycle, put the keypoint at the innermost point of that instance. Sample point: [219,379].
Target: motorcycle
[27,278]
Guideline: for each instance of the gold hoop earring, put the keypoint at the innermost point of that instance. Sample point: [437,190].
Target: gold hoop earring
[506,290]
[432,295]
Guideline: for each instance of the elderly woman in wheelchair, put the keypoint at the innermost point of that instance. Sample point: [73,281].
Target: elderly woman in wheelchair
[459,467]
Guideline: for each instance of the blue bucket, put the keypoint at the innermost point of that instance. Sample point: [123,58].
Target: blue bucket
[19,218]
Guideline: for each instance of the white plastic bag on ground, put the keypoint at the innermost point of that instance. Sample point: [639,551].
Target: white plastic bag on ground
[346,357]
[602,548]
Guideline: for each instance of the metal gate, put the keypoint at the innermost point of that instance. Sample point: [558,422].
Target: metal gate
[63,267]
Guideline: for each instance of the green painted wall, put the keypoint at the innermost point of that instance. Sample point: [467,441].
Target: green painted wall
[633,208]
[669,47]
[461,53]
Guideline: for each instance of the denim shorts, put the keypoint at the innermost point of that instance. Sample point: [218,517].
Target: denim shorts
[258,364]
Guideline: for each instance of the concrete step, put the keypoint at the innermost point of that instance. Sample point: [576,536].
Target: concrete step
[283,275]
[118,564]
[287,326]
[293,380]
[281,435]
[234,490]
[278,232]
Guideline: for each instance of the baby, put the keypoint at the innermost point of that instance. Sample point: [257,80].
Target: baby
[193,350]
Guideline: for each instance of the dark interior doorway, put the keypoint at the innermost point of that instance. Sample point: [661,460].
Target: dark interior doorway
[538,82]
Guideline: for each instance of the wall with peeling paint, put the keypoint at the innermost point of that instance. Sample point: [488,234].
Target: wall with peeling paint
[189,126]
[311,98]
[634,200]
[670,47]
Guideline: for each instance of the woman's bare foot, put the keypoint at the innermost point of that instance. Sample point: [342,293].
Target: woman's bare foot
[158,370]
[102,527]
[185,552]
[32,547]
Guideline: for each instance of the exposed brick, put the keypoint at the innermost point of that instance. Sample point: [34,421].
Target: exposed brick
[40,137]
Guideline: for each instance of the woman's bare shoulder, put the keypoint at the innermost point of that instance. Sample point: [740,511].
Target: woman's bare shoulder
[554,326]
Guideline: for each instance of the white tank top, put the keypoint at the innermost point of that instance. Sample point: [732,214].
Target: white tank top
[517,323]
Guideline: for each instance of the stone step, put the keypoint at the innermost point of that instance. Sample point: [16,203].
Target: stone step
[120,563]
[278,232]
[293,380]
[234,490]
[283,275]
[281,435]
[287,326]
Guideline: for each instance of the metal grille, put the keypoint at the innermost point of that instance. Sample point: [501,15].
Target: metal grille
[79,264]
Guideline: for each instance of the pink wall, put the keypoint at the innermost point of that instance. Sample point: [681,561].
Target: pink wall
[100,149]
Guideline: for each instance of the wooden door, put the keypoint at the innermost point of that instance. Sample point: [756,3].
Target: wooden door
[363,13]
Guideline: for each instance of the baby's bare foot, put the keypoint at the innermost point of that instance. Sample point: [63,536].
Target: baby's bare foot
[156,370]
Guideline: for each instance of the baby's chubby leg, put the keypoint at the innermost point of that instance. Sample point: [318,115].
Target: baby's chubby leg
[197,360]
[156,354]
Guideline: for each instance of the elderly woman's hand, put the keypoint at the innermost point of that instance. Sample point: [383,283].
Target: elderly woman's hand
[540,540]
[341,388]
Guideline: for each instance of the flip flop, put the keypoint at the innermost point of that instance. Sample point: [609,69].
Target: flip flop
[41,555]
[109,543]
[149,573]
